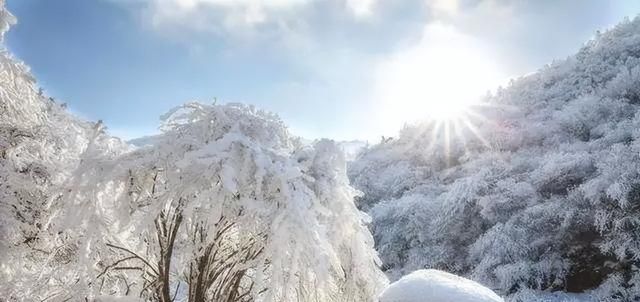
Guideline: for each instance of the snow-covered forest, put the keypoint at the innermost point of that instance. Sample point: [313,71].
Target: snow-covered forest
[533,194]
[538,192]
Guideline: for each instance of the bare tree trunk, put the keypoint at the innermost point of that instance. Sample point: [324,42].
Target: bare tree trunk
[217,274]
[167,225]
[219,270]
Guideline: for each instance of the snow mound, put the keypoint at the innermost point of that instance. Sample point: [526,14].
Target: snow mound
[437,286]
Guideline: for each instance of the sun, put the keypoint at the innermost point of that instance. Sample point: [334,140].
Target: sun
[439,79]
[446,111]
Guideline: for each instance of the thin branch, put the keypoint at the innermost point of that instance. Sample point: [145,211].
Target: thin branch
[123,268]
[134,254]
[114,265]
[176,292]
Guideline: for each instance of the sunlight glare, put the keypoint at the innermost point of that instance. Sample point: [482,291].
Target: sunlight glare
[439,79]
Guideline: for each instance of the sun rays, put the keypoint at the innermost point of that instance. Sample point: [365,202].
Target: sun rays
[443,80]
[451,137]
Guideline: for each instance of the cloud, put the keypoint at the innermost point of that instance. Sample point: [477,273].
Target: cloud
[238,16]
[444,7]
[361,8]
[397,57]
[216,14]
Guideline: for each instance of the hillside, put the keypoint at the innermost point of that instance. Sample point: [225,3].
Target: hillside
[537,190]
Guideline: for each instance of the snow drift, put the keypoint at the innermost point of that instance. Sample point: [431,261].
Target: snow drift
[437,286]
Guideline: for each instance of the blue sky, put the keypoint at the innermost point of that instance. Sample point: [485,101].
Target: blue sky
[344,69]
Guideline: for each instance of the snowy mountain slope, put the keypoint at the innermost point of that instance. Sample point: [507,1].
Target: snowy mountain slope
[541,193]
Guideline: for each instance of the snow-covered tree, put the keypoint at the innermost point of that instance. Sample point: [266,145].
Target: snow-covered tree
[226,205]
[40,146]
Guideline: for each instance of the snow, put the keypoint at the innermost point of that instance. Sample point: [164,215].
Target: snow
[352,148]
[555,297]
[437,286]
[144,141]
[117,299]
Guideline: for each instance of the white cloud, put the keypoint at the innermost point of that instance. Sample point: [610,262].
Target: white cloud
[233,16]
[443,7]
[361,8]
[406,83]
[409,56]
[208,15]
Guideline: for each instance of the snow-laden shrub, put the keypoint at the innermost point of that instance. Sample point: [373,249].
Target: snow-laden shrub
[228,202]
[40,147]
